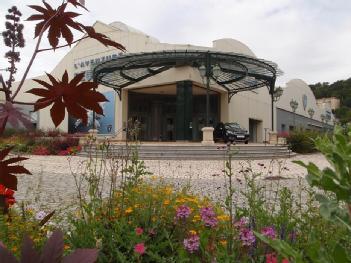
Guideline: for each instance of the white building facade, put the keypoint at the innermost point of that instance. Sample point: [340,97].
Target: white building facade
[154,101]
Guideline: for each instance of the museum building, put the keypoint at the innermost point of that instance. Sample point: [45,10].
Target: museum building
[174,90]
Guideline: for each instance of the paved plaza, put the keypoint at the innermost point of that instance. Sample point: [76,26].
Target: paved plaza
[52,185]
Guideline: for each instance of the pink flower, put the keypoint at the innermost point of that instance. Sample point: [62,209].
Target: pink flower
[139,231]
[192,243]
[183,212]
[2,245]
[208,216]
[139,248]
[272,258]
[247,237]
[242,223]
[268,232]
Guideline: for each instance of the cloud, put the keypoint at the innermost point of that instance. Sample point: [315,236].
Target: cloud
[308,39]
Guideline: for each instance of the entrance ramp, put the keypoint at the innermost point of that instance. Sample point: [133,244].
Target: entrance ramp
[194,151]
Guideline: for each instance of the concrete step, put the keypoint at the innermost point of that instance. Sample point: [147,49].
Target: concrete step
[195,152]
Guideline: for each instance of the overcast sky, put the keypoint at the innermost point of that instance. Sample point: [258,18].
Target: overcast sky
[308,39]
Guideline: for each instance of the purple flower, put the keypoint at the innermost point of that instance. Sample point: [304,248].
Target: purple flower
[208,216]
[269,232]
[247,237]
[293,236]
[242,223]
[183,212]
[192,243]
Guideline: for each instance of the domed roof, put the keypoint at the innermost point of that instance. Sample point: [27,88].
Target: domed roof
[232,45]
[123,27]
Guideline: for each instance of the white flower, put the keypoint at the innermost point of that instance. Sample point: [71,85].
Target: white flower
[40,215]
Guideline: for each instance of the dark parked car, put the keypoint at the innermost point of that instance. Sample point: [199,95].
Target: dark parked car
[230,132]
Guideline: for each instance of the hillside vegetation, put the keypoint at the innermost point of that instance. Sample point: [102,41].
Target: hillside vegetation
[340,89]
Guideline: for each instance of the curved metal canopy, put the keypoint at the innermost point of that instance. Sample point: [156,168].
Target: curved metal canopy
[238,72]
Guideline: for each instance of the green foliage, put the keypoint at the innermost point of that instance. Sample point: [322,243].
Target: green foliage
[136,171]
[334,199]
[301,141]
[335,181]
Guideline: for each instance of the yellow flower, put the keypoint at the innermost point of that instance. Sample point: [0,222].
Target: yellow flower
[223,242]
[168,190]
[154,177]
[66,247]
[180,200]
[129,210]
[14,249]
[166,202]
[136,206]
[196,218]
[192,232]
[223,218]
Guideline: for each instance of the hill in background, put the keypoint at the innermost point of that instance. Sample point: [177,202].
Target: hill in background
[340,89]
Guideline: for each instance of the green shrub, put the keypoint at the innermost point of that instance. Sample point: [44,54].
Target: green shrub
[301,141]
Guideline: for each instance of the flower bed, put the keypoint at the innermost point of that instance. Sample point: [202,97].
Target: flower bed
[51,142]
[140,219]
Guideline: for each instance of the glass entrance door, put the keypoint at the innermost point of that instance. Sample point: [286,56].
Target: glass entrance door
[156,115]
[177,116]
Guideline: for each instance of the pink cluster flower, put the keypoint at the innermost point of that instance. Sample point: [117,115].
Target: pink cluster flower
[208,216]
[192,243]
[140,248]
[183,212]
[247,237]
[269,232]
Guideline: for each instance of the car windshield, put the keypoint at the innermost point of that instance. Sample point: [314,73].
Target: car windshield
[232,125]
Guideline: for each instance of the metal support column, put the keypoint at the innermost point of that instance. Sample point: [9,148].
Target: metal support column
[272,104]
[208,73]
[271,92]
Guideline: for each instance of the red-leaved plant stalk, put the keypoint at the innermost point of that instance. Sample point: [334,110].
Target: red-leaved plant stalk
[74,96]
[51,253]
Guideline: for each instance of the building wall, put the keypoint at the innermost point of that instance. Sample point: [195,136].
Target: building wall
[286,120]
[252,105]
[297,89]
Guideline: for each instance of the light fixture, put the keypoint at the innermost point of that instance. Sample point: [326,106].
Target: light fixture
[216,70]
[278,92]
[322,117]
[311,112]
[294,104]
[202,70]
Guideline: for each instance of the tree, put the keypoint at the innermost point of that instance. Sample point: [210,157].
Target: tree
[57,24]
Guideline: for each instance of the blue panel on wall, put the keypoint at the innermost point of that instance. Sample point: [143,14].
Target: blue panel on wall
[104,124]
